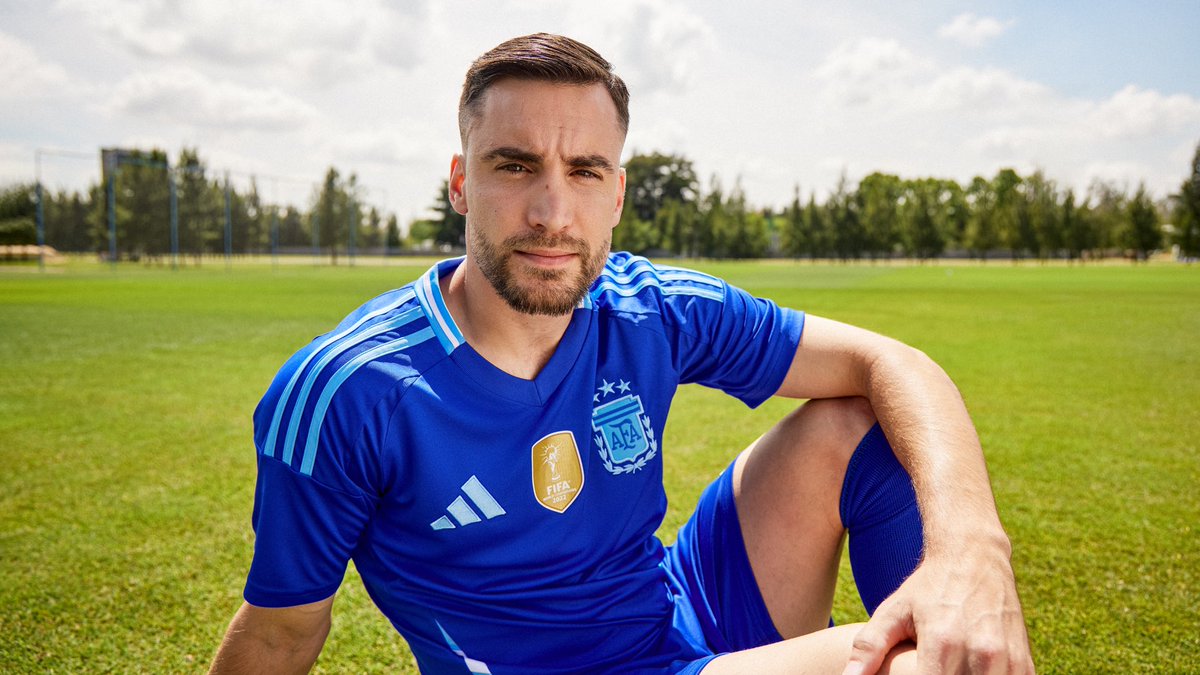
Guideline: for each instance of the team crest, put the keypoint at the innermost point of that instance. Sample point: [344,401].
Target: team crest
[624,435]
[557,471]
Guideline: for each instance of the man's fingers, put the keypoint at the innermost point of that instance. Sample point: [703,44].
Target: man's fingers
[889,627]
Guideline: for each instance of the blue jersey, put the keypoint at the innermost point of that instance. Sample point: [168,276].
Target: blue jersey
[502,525]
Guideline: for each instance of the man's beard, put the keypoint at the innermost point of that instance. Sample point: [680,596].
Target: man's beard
[552,292]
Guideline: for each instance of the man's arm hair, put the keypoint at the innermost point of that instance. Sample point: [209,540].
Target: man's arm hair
[274,640]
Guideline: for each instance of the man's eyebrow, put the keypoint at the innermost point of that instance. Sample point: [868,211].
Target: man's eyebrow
[515,154]
[591,162]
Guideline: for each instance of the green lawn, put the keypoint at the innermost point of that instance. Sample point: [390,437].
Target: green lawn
[128,469]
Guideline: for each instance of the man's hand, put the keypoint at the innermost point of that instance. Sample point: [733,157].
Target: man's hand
[962,612]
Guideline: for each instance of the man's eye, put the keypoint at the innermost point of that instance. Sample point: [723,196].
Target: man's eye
[587,174]
[513,168]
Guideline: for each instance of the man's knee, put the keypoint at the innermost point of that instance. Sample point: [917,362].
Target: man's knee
[836,425]
[852,415]
[809,449]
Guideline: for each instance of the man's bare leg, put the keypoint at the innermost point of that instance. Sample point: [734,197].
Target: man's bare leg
[822,653]
[787,487]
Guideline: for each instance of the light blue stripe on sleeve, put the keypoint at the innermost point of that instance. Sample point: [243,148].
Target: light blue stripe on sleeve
[344,373]
[273,432]
[337,350]
[632,290]
[639,268]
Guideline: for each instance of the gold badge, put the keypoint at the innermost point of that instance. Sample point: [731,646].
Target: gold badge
[557,471]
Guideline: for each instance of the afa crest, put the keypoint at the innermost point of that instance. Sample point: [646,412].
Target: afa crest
[624,435]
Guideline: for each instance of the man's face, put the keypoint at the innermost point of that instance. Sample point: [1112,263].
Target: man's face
[542,189]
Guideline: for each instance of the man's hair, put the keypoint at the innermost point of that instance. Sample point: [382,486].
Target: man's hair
[542,57]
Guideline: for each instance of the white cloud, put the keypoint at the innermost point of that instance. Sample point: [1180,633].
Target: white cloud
[24,74]
[383,146]
[657,47]
[178,95]
[984,89]
[869,71]
[303,40]
[1134,112]
[1007,143]
[973,31]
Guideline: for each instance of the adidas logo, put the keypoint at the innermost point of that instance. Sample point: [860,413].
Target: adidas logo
[463,513]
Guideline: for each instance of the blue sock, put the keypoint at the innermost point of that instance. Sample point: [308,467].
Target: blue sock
[879,509]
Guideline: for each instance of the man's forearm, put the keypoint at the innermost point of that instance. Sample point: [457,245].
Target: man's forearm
[926,421]
[266,641]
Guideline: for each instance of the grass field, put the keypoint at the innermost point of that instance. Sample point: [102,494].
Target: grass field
[127,465]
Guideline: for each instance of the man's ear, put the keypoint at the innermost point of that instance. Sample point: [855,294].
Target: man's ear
[456,190]
[620,197]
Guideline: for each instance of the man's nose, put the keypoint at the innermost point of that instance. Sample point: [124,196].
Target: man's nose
[551,208]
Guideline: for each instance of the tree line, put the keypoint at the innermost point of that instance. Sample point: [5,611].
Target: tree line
[149,210]
[886,216]
[666,212]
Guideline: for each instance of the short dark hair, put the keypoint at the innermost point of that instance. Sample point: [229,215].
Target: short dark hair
[544,57]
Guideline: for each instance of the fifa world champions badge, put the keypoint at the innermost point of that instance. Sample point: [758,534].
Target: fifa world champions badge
[623,433]
[557,471]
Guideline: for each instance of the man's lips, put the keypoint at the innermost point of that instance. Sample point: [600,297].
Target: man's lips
[546,256]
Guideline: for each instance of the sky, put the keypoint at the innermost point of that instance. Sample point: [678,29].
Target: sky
[771,95]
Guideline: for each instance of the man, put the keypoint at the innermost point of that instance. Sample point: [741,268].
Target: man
[485,443]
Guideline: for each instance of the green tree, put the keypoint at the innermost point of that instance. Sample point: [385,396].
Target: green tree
[66,224]
[632,233]
[249,221]
[337,211]
[142,204]
[1107,216]
[747,229]
[1186,213]
[981,235]
[879,205]
[1078,236]
[816,226]
[201,210]
[1007,214]
[653,179]
[292,233]
[450,226]
[794,235]
[925,218]
[393,241]
[849,239]
[676,223]
[713,227]
[370,232]
[1043,234]
[1143,236]
[18,210]
[957,212]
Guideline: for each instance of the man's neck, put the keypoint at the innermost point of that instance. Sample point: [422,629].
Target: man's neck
[519,344]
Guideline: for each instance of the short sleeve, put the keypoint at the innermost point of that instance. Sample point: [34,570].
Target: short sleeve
[305,532]
[315,492]
[740,344]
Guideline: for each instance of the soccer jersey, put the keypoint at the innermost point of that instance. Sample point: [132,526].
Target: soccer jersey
[502,525]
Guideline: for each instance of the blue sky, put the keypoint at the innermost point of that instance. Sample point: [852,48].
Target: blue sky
[771,94]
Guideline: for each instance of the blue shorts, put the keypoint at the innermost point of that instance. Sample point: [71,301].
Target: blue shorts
[718,605]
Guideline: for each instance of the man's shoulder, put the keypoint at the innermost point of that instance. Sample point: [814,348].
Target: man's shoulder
[345,373]
[629,282]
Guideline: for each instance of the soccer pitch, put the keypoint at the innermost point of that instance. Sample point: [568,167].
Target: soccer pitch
[128,467]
